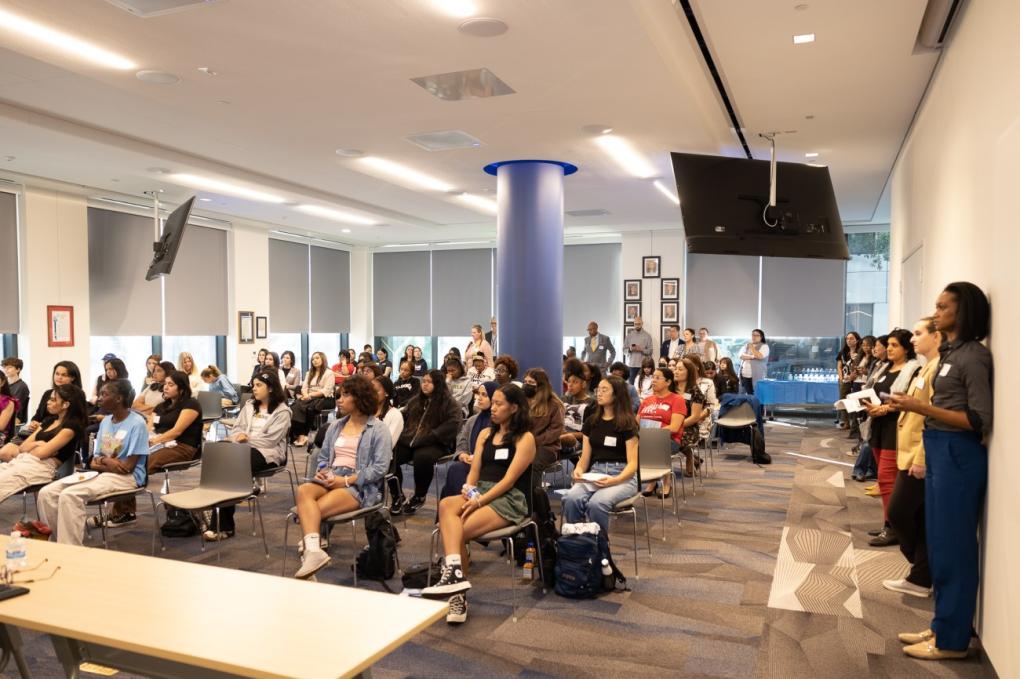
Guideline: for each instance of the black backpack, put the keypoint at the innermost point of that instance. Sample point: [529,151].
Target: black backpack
[179,524]
[579,567]
[378,559]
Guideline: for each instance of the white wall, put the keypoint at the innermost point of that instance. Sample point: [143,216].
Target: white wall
[954,191]
[247,290]
[671,247]
[54,238]
[361,298]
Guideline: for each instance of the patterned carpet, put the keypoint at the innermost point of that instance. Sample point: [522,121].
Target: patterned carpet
[767,575]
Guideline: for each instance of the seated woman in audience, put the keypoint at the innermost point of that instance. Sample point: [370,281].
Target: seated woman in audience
[592,375]
[150,365]
[9,407]
[176,423]
[505,369]
[369,369]
[263,423]
[690,345]
[620,369]
[105,376]
[576,402]
[664,409]
[503,456]
[431,422]
[610,447]
[896,379]
[218,383]
[547,413]
[119,455]
[406,387]
[64,372]
[152,395]
[186,364]
[291,371]
[478,345]
[643,382]
[353,462]
[316,396]
[273,363]
[726,380]
[697,410]
[258,364]
[391,417]
[709,372]
[711,406]
[459,384]
[409,355]
[420,365]
[479,373]
[457,471]
[36,459]
[385,364]
[116,371]
[343,369]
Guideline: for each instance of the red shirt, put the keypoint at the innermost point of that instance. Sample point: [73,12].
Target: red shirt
[342,374]
[662,410]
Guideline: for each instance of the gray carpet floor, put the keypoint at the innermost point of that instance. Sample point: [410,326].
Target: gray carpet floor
[767,574]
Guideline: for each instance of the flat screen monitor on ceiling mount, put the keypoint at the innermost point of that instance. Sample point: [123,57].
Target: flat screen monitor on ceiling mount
[724,201]
[165,249]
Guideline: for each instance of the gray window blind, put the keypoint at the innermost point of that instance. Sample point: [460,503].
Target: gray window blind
[461,291]
[401,293]
[722,294]
[121,301]
[288,286]
[195,292]
[331,290]
[803,297]
[591,289]
[10,309]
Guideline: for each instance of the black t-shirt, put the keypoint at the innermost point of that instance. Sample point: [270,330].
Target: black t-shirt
[20,391]
[607,444]
[420,368]
[883,429]
[65,453]
[165,418]
[404,391]
[496,459]
[40,412]
[385,364]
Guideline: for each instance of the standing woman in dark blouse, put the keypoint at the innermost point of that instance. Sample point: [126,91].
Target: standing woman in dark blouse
[957,423]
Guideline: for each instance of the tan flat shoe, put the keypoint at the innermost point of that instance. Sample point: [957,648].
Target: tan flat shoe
[926,650]
[873,492]
[916,637]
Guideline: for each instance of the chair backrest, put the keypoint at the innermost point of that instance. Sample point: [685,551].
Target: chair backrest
[211,404]
[66,468]
[740,416]
[226,466]
[243,398]
[654,449]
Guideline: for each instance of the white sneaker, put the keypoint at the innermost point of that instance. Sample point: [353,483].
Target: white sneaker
[905,587]
[311,564]
[457,612]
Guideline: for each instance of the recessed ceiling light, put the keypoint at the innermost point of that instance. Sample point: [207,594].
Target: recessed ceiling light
[483,27]
[813,154]
[64,42]
[345,230]
[206,200]
[801,7]
[157,170]
[335,215]
[219,186]
[350,153]
[405,174]
[597,128]
[480,203]
[666,192]
[803,38]
[458,9]
[158,77]
[626,156]
[207,70]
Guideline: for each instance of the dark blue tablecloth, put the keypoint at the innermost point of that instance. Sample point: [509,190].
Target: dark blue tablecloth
[772,392]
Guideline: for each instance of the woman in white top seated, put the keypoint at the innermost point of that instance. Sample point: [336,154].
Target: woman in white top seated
[352,465]
[152,394]
[273,363]
[316,395]
[263,423]
[186,364]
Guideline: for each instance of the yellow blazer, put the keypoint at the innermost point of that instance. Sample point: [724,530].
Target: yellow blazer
[909,445]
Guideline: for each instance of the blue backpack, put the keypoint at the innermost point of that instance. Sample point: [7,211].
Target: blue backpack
[579,567]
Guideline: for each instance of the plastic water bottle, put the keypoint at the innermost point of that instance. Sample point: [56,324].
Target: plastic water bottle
[608,581]
[16,556]
[529,562]
[473,493]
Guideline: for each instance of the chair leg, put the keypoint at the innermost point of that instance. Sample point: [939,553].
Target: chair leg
[262,526]
[648,527]
[102,525]
[286,531]
[354,550]
[433,549]
[218,541]
[633,513]
[538,553]
[513,578]
[155,526]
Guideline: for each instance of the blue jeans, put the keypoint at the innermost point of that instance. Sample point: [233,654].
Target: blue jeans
[581,502]
[955,480]
[865,465]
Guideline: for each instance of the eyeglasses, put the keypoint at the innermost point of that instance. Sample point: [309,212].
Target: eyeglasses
[7,574]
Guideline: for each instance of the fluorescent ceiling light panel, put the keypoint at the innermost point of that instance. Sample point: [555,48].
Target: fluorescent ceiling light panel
[405,245]
[335,215]
[810,155]
[218,186]
[803,38]
[404,174]
[64,42]
[666,192]
[626,156]
[458,9]
[479,202]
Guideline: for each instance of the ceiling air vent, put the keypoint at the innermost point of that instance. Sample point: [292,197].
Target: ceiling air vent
[935,24]
[595,212]
[446,140]
[154,8]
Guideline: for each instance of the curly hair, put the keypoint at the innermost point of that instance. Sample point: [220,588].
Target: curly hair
[361,390]
[508,361]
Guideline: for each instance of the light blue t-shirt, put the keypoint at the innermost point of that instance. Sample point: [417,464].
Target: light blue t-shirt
[128,437]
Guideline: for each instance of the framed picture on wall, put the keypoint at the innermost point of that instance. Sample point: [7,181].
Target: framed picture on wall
[664,331]
[632,290]
[670,288]
[670,313]
[631,310]
[650,266]
[245,327]
[261,327]
[627,327]
[60,325]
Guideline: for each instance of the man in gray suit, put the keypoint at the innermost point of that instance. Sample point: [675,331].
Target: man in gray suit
[596,346]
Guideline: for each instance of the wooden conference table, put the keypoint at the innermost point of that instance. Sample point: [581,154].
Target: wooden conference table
[162,617]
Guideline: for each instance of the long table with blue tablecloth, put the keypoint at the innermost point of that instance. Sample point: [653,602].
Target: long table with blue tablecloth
[782,392]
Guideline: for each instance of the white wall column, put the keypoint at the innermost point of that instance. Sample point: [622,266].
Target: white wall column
[247,290]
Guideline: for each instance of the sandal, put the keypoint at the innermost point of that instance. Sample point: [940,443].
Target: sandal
[213,536]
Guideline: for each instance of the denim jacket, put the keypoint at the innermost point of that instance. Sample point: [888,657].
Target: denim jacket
[372,459]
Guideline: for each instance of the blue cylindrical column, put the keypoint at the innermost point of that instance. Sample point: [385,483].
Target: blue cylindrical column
[529,262]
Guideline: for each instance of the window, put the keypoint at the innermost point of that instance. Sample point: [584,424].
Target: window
[280,342]
[201,347]
[789,356]
[132,349]
[328,343]
[867,283]
[395,346]
[444,344]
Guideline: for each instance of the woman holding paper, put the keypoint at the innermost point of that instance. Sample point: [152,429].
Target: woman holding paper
[610,451]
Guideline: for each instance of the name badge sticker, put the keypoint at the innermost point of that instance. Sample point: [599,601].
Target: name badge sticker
[121,435]
[687,397]
[601,348]
[502,453]
[920,383]
[610,442]
[155,419]
[945,369]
